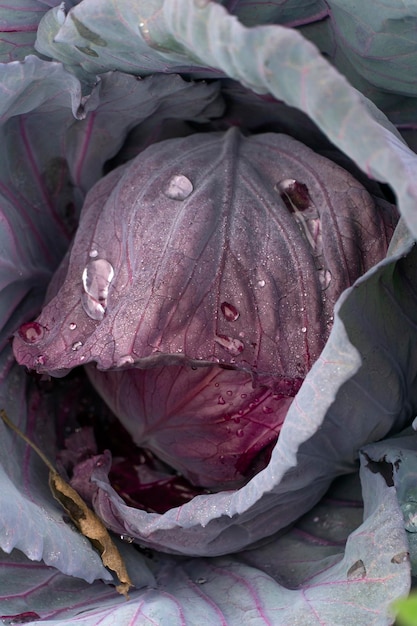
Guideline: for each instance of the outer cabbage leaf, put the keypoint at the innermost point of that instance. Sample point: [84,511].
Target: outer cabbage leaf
[307,576]
[289,12]
[19,22]
[266,59]
[396,461]
[42,185]
[355,38]
[342,387]
[208,278]
[380,41]
[347,122]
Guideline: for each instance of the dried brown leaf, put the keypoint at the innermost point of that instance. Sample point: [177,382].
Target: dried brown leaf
[87,522]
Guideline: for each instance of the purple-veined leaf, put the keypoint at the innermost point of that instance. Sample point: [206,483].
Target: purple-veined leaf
[42,185]
[19,21]
[308,576]
[124,308]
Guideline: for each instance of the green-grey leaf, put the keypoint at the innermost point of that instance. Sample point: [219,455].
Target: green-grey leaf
[172,34]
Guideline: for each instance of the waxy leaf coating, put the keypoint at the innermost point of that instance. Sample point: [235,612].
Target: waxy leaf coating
[212,251]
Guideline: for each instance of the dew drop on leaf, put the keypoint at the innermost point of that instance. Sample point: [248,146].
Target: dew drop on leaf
[72,326]
[31,332]
[233,346]
[96,278]
[409,511]
[401,557]
[76,345]
[127,359]
[179,187]
[357,570]
[294,194]
[325,278]
[229,311]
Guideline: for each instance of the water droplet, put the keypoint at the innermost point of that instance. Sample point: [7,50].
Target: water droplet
[229,311]
[127,359]
[39,360]
[401,557]
[96,278]
[31,332]
[357,570]
[261,283]
[229,392]
[409,511]
[76,345]
[179,187]
[93,253]
[127,538]
[243,395]
[267,409]
[201,581]
[221,400]
[233,346]
[294,194]
[239,432]
[72,326]
[325,278]
[304,329]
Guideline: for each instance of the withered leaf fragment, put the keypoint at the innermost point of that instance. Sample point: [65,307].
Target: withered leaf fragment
[87,522]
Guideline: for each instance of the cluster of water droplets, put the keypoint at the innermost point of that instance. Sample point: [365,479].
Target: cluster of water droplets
[96,279]
[232,345]
[298,201]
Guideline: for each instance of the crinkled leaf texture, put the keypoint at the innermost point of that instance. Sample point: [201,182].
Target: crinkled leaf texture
[208,278]
[281,62]
[267,59]
[305,577]
[313,447]
[371,43]
[42,185]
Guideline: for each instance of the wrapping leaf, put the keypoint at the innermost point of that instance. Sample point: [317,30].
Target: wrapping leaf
[240,219]
[42,187]
[306,575]
[342,403]
[86,521]
[19,21]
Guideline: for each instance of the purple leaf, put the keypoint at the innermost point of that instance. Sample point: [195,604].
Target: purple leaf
[233,253]
[184,257]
